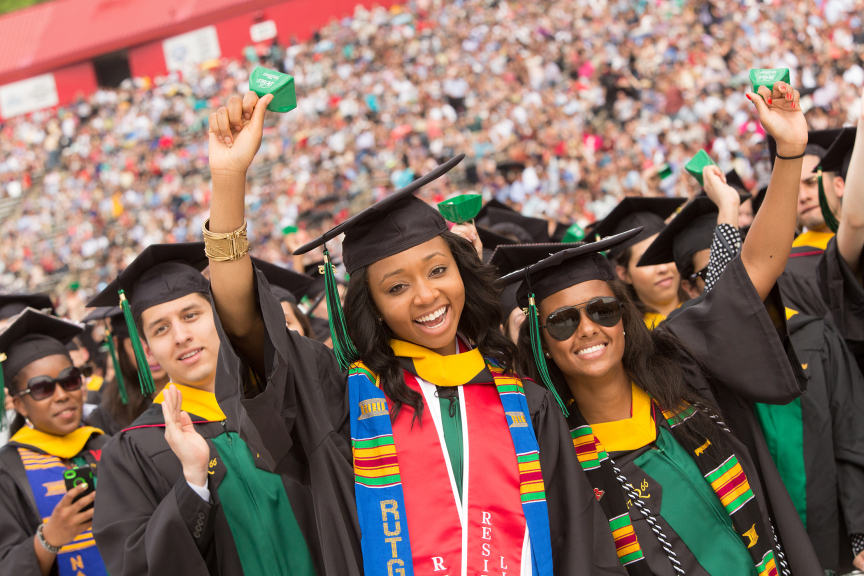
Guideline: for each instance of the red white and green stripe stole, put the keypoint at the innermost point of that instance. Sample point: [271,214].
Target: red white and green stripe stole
[45,475]
[404,484]
[722,470]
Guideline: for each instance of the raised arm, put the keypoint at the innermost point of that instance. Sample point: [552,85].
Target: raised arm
[850,235]
[769,241]
[235,136]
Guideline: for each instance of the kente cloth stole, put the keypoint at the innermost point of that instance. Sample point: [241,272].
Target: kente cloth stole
[45,474]
[411,490]
[722,470]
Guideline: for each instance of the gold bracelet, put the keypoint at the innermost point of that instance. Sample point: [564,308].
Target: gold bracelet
[225,247]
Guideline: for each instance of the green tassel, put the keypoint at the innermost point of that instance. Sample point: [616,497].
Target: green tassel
[2,395]
[144,375]
[830,220]
[343,347]
[539,359]
[118,375]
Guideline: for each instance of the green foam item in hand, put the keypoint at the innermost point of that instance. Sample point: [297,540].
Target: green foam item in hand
[289,230]
[461,209]
[697,163]
[263,81]
[767,77]
[575,233]
[664,171]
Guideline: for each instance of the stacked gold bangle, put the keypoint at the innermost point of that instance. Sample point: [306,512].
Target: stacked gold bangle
[225,247]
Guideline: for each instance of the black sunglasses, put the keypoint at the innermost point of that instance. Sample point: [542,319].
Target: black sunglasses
[703,273]
[562,323]
[42,387]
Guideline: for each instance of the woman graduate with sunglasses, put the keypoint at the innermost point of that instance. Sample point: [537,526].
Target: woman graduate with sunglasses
[45,529]
[663,421]
[422,457]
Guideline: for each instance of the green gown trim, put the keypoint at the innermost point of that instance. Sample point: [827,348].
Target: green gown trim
[452,429]
[265,531]
[693,509]
[783,428]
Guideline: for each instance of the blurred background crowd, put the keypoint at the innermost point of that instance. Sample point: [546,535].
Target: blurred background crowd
[562,107]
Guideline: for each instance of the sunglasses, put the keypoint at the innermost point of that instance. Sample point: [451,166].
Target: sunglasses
[562,323]
[703,273]
[42,387]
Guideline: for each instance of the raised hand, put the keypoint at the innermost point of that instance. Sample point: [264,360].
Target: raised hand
[235,133]
[780,112]
[469,232]
[67,519]
[189,446]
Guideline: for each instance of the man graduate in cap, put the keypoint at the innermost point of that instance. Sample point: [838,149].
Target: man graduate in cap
[179,492]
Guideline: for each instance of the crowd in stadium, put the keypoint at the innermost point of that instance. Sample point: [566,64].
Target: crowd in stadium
[582,97]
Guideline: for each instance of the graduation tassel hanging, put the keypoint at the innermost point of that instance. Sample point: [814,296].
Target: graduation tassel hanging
[343,347]
[118,375]
[830,220]
[144,375]
[534,327]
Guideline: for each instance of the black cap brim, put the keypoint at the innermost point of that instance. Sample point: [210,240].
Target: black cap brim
[287,285]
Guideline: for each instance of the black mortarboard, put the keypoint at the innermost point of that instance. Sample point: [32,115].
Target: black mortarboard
[492,240]
[634,212]
[818,142]
[286,285]
[839,153]
[395,224]
[560,231]
[758,198]
[33,336]
[509,258]
[537,228]
[492,204]
[567,268]
[161,273]
[12,304]
[734,180]
[689,232]
[114,314]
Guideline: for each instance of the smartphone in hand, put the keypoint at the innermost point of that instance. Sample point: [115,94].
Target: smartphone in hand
[78,475]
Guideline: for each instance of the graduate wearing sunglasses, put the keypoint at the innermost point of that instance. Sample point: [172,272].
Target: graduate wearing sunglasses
[45,529]
[662,420]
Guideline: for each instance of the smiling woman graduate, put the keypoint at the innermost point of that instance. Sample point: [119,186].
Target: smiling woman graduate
[419,438]
[663,420]
[43,530]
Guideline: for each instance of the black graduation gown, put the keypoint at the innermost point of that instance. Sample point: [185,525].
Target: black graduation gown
[19,516]
[832,415]
[739,352]
[149,521]
[843,294]
[799,285]
[300,426]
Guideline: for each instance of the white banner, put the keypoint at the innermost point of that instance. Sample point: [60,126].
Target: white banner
[263,31]
[28,95]
[188,50]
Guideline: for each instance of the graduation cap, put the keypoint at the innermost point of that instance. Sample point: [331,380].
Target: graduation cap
[632,212]
[117,327]
[735,181]
[509,258]
[557,272]
[491,241]
[286,285]
[537,228]
[689,232]
[161,273]
[12,304]
[390,226]
[839,153]
[31,336]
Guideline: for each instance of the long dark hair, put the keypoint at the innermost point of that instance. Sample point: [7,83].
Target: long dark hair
[652,359]
[125,414]
[623,260]
[479,323]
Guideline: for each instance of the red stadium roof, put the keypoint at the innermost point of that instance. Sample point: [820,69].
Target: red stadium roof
[50,35]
